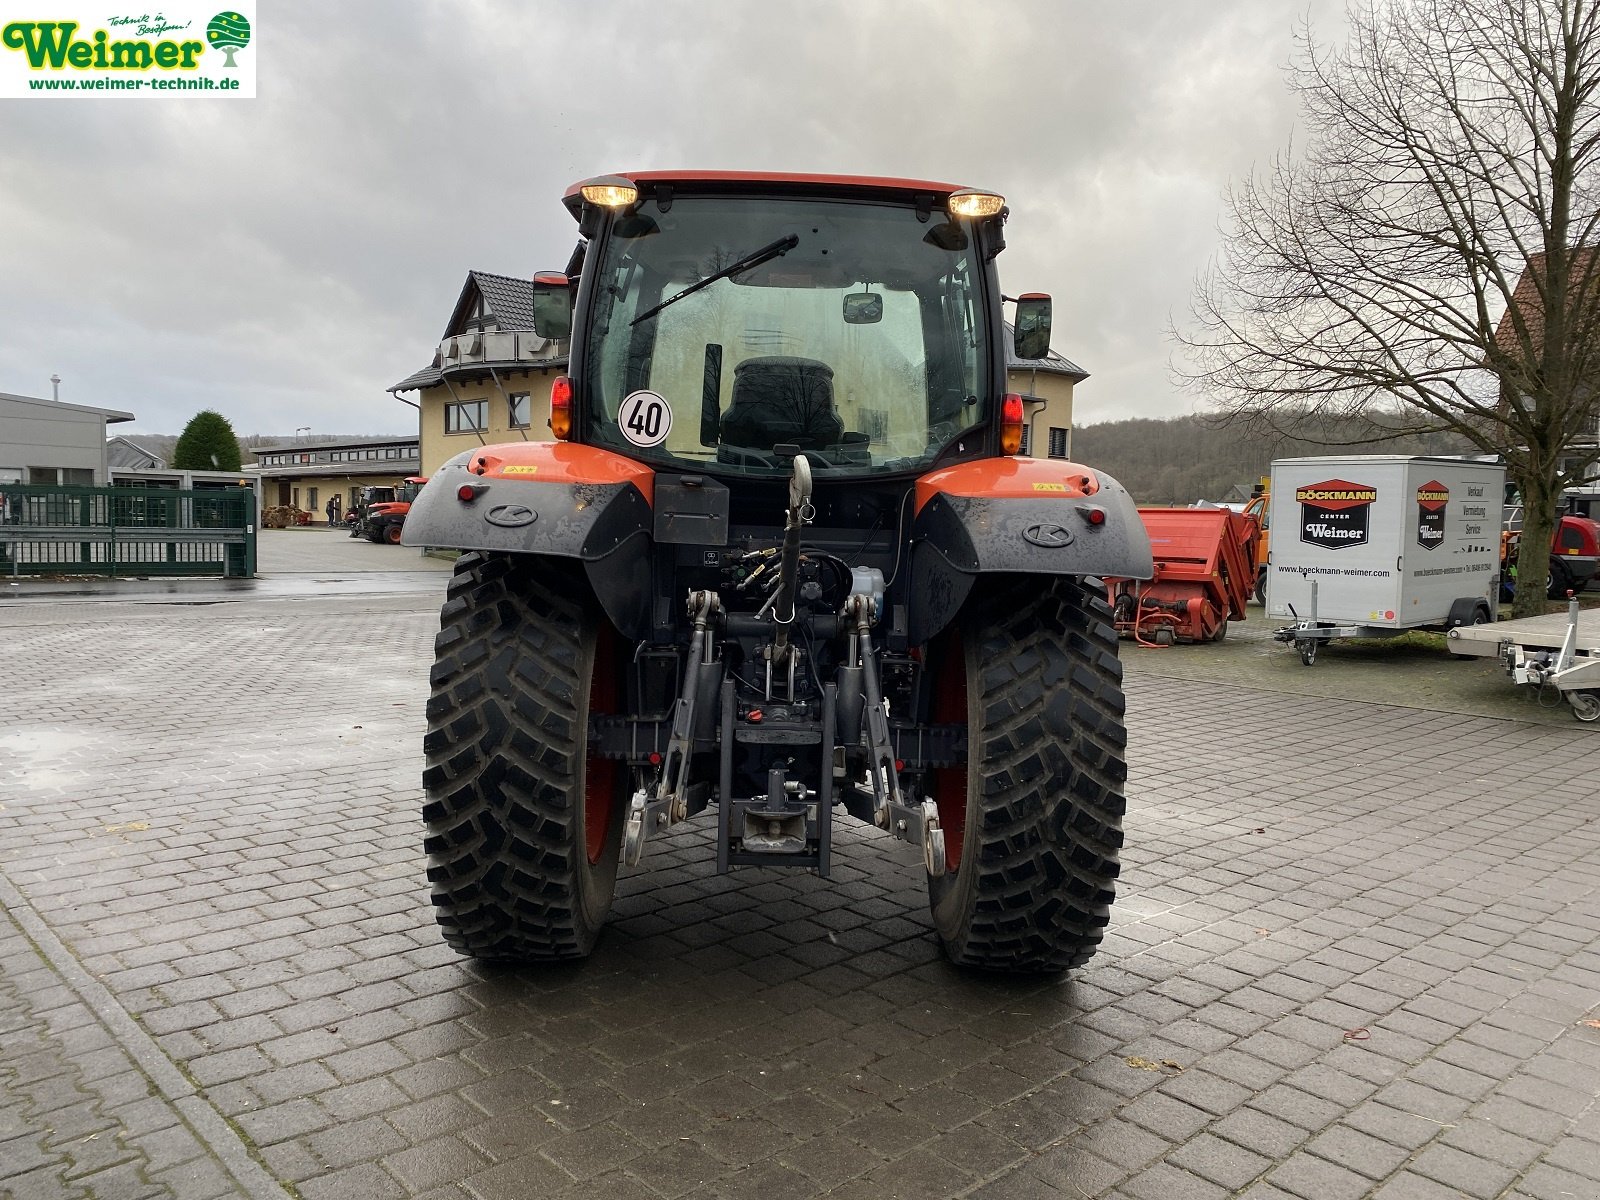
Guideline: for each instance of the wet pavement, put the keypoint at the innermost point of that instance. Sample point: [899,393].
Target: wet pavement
[1356,951]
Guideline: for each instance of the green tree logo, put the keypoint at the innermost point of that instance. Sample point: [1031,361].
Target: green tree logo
[228,31]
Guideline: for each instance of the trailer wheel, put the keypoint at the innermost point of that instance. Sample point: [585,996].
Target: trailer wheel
[1033,821]
[1261,587]
[1308,651]
[523,824]
[1585,704]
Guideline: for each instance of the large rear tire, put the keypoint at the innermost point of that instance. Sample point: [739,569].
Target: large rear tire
[1560,581]
[1033,821]
[523,825]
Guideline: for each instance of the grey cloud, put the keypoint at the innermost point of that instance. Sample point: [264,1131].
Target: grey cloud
[286,259]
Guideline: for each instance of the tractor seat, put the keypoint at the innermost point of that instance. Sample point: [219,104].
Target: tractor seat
[781,399]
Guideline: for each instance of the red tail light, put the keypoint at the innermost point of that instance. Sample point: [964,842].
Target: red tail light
[1011,424]
[561,408]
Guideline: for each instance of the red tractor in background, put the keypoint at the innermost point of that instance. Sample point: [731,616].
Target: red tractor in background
[383,520]
[782,562]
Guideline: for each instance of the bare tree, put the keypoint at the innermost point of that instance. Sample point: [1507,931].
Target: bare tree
[1450,152]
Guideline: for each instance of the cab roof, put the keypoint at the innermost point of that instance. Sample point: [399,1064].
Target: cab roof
[761,181]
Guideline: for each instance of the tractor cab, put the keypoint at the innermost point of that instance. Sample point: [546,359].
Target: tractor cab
[728,326]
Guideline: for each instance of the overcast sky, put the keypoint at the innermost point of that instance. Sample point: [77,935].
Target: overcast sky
[284,260]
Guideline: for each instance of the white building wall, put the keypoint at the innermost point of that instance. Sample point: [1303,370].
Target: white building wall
[41,433]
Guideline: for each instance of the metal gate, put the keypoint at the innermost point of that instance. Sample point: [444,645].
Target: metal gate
[49,530]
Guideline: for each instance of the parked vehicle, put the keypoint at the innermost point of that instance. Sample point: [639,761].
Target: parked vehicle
[1371,545]
[1204,573]
[383,520]
[1574,551]
[1259,509]
[783,556]
[356,518]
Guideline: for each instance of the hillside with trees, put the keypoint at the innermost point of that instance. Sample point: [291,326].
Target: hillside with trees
[1184,459]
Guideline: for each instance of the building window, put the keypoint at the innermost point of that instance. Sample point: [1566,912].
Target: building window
[518,409]
[390,452]
[1058,442]
[481,317]
[468,416]
[1027,442]
[311,499]
[371,454]
[77,476]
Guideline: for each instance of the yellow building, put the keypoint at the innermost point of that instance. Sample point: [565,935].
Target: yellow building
[306,475]
[1046,389]
[490,379]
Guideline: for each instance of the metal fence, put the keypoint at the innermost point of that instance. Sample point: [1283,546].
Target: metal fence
[48,530]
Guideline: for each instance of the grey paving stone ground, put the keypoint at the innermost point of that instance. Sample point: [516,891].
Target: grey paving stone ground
[1355,955]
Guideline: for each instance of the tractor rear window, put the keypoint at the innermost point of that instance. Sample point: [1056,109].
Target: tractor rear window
[849,331]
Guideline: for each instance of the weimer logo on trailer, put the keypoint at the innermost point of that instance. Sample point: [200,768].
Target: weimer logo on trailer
[1431,499]
[1334,513]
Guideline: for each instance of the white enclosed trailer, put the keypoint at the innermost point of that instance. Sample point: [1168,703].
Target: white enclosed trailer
[1371,545]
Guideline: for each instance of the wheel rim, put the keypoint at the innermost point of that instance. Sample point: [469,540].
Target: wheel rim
[600,774]
[950,783]
[1585,705]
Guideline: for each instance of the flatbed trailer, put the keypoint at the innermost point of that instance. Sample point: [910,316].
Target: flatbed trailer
[1557,650]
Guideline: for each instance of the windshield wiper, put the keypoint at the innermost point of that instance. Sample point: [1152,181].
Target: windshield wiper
[754,259]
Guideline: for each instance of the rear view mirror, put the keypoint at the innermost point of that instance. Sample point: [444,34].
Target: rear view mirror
[1033,326]
[863,308]
[552,305]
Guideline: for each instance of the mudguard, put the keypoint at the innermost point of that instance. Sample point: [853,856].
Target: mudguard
[1017,515]
[549,498]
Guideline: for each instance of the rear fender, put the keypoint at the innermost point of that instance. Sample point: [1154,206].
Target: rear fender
[1017,516]
[554,499]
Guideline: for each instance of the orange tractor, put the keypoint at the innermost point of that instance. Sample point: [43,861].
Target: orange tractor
[383,520]
[781,564]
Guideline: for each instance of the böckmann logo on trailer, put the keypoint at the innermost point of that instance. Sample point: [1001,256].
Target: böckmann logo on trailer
[1431,500]
[169,51]
[1333,513]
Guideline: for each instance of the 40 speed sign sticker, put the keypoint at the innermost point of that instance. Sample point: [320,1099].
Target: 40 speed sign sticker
[645,418]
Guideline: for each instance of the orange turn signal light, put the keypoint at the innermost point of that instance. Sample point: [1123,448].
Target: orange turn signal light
[1011,424]
[561,408]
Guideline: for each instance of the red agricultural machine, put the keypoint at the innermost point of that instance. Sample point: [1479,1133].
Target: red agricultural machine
[1204,574]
